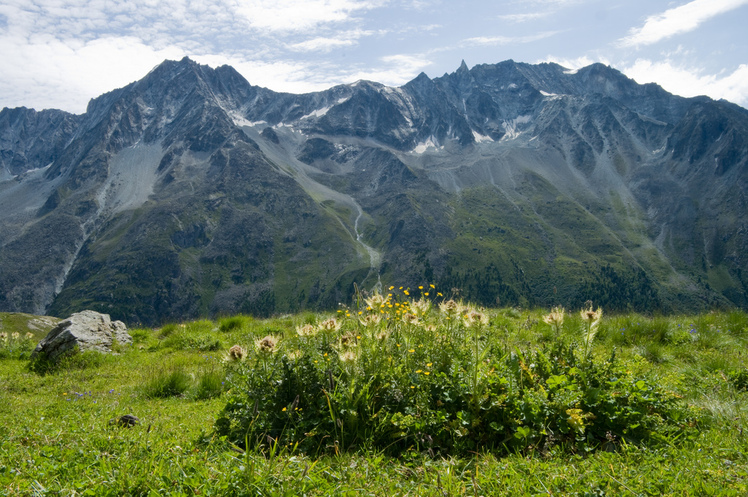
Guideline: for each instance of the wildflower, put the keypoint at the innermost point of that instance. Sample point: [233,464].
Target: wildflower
[555,318]
[29,336]
[590,316]
[370,320]
[475,318]
[592,320]
[306,331]
[382,335]
[376,300]
[421,306]
[348,340]
[3,336]
[267,345]
[410,318]
[331,324]
[450,307]
[237,353]
[348,356]
[16,335]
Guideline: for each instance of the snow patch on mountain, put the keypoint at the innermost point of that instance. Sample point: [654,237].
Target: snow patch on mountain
[511,130]
[481,138]
[317,113]
[423,146]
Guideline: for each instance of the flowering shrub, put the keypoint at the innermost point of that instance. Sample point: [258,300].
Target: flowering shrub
[397,374]
[15,345]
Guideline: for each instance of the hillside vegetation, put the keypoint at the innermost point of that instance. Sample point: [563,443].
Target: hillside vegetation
[406,392]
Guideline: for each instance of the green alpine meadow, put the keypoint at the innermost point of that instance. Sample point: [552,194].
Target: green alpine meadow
[512,279]
[407,391]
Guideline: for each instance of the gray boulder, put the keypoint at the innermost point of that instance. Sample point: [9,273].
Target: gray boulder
[86,330]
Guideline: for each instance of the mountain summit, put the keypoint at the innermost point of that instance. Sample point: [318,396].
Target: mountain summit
[192,192]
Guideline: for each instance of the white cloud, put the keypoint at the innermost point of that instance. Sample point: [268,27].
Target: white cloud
[519,18]
[678,20]
[397,70]
[689,82]
[506,40]
[300,15]
[326,44]
[279,75]
[573,64]
[48,73]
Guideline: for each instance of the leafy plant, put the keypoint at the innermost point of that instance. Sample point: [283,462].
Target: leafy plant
[398,376]
[170,383]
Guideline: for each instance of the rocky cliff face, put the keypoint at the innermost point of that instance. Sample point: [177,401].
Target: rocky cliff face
[192,192]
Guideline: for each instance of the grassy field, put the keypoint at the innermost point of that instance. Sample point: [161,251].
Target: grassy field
[391,396]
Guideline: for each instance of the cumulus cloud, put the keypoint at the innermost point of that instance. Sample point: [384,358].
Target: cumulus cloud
[690,82]
[48,73]
[678,20]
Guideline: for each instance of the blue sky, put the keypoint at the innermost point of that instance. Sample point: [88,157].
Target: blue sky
[61,53]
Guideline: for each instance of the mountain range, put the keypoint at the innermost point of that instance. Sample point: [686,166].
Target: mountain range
[193,193]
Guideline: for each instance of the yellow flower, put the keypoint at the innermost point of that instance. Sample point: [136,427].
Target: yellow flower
[427,373]
[411,350]
[576,419]
[284,409]
[428,365]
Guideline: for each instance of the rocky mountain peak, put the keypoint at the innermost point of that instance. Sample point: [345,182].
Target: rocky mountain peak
[192,192]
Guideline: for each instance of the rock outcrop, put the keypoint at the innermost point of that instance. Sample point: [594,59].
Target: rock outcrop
[86,330]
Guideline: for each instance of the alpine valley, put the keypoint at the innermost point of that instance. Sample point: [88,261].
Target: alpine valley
[193,193]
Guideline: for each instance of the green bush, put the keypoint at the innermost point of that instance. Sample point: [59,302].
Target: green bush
[234,323]
[168,384]
[72,360]
[442,383]
[16,346]
[209,385]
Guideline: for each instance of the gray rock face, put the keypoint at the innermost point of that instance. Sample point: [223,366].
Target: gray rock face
[86,330]
[192,192]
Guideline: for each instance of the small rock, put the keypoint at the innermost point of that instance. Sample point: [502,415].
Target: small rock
[127,420]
